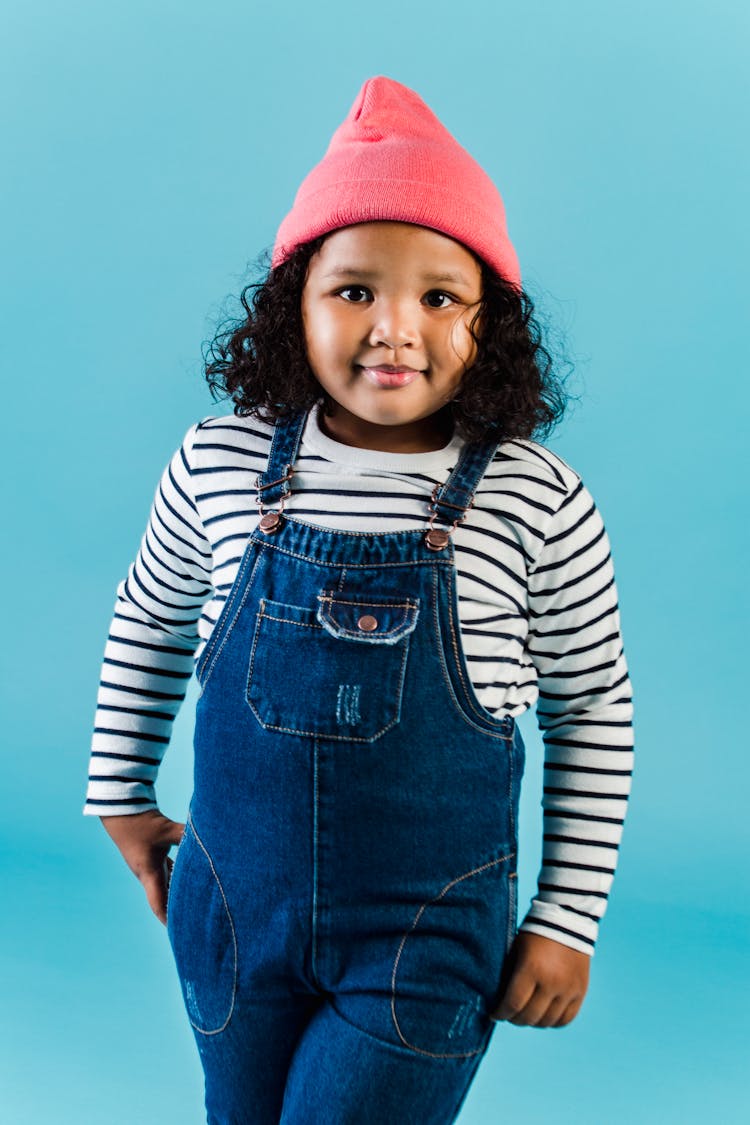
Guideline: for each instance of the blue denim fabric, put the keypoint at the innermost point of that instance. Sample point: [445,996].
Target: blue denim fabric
[344,895]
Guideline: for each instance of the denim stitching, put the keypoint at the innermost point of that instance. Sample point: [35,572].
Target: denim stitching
[404,626]
[316,791]
[368,1033]
[203,848]
[357,534]
[251,664]
[359,566]
[408,604]
[229,629]
[512,908]
[326,735]
[213,639]
[420,912]
[443,668]
[511,784]
[339,628]
[468,691]
[290,620]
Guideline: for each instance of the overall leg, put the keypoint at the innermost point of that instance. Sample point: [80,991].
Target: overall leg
[342,1075]
[238,953]
[246,1064]
[415,913]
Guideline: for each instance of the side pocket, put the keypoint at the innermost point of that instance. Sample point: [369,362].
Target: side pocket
[202,935]
[448,962]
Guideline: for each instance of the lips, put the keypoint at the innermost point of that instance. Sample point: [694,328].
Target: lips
[387,376]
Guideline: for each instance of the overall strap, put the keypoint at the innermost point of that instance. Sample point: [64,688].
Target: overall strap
[273,484]
[451,501]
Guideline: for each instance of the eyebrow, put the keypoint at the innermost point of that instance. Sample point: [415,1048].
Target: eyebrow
[364,274]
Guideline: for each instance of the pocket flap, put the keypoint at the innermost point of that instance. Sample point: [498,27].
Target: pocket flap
[374,620]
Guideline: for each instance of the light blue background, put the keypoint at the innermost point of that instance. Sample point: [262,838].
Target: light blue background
[149,152]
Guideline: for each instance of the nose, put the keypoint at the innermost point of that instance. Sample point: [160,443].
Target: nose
[395,326]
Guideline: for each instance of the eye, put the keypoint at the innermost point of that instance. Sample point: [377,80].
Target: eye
[440,295]
[359,292]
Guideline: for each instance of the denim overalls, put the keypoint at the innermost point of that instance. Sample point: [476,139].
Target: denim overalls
[344,894]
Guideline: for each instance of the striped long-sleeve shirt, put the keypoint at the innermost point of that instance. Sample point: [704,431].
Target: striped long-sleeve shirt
[538,615]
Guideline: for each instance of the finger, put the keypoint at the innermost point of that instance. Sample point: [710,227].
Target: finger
[554,1011]
[170,833]
[570,1012]
[155,886]
[534,1009]
[521,988]
[177,832]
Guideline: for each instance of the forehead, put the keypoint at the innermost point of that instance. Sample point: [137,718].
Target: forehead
[390,246]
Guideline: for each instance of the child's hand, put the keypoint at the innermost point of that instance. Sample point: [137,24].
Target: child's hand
[545,982]
[144,840]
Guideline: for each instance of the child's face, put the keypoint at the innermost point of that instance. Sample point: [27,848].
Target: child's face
[390,295]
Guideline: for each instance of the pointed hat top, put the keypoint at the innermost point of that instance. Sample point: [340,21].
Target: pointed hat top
[392,159]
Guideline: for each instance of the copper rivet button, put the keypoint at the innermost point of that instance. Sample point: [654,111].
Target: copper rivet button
[436,538]
[367,623]
[270,521]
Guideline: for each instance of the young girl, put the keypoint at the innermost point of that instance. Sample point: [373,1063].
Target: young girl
[376,571]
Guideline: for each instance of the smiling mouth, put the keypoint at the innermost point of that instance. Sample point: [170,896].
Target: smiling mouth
[390,376]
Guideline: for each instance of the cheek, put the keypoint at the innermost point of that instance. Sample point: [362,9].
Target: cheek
[460,340]
[324,333]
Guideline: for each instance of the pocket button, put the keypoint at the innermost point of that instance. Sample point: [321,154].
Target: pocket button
[367,623]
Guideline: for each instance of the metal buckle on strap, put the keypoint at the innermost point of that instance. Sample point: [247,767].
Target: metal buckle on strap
[271,520]
[436,538]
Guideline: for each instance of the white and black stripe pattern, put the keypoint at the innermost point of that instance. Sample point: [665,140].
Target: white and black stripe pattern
[537,604]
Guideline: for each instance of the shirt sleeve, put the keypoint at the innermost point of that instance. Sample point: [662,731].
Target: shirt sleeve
[585,714]
[148,655]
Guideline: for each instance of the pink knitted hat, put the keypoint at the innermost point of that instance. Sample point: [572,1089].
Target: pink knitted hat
[392,159]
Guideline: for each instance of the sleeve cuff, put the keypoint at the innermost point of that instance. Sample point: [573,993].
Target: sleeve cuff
[118,807]
[564,926]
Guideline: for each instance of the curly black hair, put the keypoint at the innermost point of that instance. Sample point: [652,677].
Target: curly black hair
[511,390]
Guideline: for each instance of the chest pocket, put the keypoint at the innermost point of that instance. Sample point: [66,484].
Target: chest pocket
[335,671]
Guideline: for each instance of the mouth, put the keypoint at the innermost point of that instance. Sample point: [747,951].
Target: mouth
[387,376]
